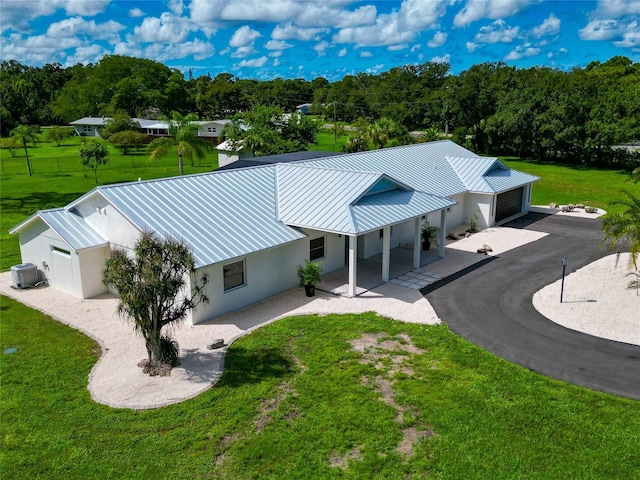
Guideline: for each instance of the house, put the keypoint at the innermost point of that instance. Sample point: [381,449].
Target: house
[228,155]
[304,108]
[249,228]
[91,126]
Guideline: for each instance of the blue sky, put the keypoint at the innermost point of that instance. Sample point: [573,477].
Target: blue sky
[265,39]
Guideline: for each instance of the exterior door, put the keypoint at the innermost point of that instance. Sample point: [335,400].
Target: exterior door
[62,271]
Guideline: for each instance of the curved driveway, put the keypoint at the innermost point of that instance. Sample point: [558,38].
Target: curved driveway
[491,307]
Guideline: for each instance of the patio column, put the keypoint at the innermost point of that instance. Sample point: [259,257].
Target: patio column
[416,244]
[443,232]
[386,252]
[353,263]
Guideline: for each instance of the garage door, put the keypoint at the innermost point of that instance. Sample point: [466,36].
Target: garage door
[509,203]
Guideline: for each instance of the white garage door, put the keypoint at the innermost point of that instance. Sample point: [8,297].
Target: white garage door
[61,272]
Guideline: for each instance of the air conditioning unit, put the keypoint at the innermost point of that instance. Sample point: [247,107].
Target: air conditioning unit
[24,275]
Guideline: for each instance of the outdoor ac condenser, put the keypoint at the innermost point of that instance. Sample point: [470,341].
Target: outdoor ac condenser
[24,275]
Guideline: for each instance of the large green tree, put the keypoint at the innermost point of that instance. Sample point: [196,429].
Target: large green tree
[183,130]
[92,155]
[269,131]
[152,292]
[24,135]
[58,134]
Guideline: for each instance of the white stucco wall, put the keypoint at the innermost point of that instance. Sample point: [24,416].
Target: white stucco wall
[91,264]
[108,222]
[371,244]
[483,204]
[36,246]
[266,273]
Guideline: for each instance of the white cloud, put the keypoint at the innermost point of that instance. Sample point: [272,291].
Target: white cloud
[17,14]
[522,51]
[37,49]
[277,45]
[136,12]
[245,35]
[83,7]
[254,63]
[197,48]
[275,54]
[322,14]
[398,27]
[630,38]
[442,59]
[342,52]
[416,47]
[375,69]
[366,54]
[617,8]
[471,47]
[321,48]
[497,32]
[245,51]
[85,55]
[276,62]
[176,6]
[291,32]
[600,30]
[169,28]
[438,39]
[550,26]
[396,48]
[77,27]
[493,9]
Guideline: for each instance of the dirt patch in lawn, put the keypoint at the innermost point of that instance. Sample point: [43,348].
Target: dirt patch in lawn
[342,461]
[388,356]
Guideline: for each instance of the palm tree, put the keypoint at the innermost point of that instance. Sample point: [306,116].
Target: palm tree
[25,134]
[183,131]
[622,229]
[385,130]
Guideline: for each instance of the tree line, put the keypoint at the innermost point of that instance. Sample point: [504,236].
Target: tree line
[574,116]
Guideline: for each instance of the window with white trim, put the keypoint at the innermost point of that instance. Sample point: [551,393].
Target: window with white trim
[316,249]
[233,274]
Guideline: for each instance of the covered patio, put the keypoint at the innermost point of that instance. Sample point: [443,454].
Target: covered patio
[369,271]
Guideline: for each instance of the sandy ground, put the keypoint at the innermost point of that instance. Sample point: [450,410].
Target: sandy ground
[116,380]
[595,301]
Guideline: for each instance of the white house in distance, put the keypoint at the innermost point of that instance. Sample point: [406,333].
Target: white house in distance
[249,228]
[91,126]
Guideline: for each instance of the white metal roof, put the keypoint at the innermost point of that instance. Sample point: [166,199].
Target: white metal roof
[503,179]
[219,215]
[69,225]
[422,166]
[471,171]
[97,121]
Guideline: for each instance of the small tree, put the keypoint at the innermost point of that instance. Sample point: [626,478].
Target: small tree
[92,155]
[57,134]
[151,290]
[11,144]
[623,229]
[121,122]
[127,139]
[25,134]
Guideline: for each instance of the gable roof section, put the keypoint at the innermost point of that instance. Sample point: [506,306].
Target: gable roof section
[471,171]
[503,178]
[318,198]
[421,166]
[345,201]
[373,212]
[219,216]
[70,226]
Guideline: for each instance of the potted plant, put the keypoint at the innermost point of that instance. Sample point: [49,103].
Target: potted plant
[428,235]
[309,276]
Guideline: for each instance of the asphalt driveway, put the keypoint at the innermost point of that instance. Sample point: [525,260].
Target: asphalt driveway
[491,307]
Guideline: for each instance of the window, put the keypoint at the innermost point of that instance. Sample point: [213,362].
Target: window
[61,251]
[211,129]
[233,275]
[87,128]
[316,249]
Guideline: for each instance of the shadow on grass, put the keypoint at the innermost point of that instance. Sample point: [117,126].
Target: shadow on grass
[243,365]
[32,203]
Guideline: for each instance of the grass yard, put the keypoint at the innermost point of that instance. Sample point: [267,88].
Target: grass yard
[298,401]
[566,184]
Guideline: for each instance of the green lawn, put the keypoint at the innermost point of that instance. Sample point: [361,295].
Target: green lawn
[295,397]
[565,184]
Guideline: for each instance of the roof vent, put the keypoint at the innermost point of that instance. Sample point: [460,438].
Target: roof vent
[24,275]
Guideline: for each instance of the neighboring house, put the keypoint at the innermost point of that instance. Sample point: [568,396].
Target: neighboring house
[91,126]
[304,108]
[228,155]
[249,228]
